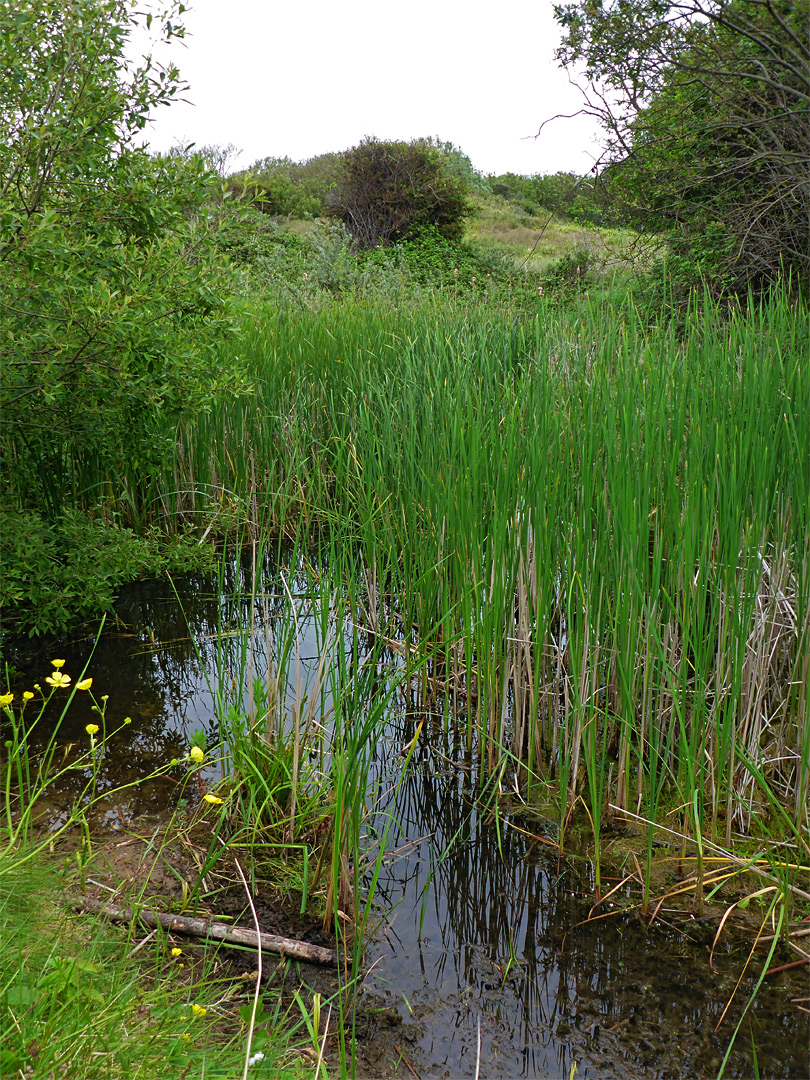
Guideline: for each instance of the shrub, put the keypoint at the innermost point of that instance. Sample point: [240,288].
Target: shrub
[569,273]
[388,191]
[113,302]
[281,187]
[58,570]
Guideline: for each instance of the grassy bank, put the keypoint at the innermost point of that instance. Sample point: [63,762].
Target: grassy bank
[274,803]
[81,998]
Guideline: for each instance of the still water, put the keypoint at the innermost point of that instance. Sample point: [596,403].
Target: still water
[486,953]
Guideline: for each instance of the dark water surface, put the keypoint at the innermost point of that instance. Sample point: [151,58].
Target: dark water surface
[486,954]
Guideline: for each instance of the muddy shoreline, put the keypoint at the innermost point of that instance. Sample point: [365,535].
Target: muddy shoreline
[623,1035]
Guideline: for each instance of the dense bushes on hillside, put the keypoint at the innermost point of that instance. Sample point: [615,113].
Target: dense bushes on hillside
[567,195]
[282,187]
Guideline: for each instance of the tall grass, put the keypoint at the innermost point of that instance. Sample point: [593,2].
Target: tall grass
[603,524]
[596,529]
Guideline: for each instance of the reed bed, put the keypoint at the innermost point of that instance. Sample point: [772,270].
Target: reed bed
[594,529]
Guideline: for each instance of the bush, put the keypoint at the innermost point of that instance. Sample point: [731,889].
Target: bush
[55,571]
[569,273]
[388,191]
[281,187]
[428,258]
[113,302]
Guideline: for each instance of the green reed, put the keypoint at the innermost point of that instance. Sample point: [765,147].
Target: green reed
[593,531]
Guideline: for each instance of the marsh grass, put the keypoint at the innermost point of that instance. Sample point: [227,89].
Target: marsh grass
[580,539]
[584,535]
[602,524]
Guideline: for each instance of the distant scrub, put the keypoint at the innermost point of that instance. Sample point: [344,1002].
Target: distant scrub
[281,187]
[390,191]
[581,199]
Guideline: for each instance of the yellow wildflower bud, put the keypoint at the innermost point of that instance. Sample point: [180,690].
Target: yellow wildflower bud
[58,680]
[85,684]
[6,699]
[213,800]
[198,1010]
[58,663]
[196,754]
[91,729]
[177,952]
[27,695]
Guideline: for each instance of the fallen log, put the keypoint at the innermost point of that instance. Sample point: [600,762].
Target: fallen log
[209,928]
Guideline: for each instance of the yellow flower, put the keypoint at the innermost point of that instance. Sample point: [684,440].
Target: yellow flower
[213,800]
[186,1037]
[196,754]
[127,719]
[198,1010]
[58,663]
[58,679]
[6,699]
[85,684]
[177,952]
[27,695]
[91,729]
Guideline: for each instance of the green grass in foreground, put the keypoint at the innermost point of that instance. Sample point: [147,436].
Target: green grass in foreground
[75,1002]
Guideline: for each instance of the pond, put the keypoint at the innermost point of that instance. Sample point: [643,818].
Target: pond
[485,952]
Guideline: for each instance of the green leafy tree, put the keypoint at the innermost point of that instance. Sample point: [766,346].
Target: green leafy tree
[389,191]
[111,307]
[459,164]
[706,109]
[282,187]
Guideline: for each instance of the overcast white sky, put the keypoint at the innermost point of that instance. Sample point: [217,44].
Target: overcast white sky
[299,79]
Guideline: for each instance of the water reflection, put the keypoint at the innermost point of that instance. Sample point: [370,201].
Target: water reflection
[495,934]
[487,933]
